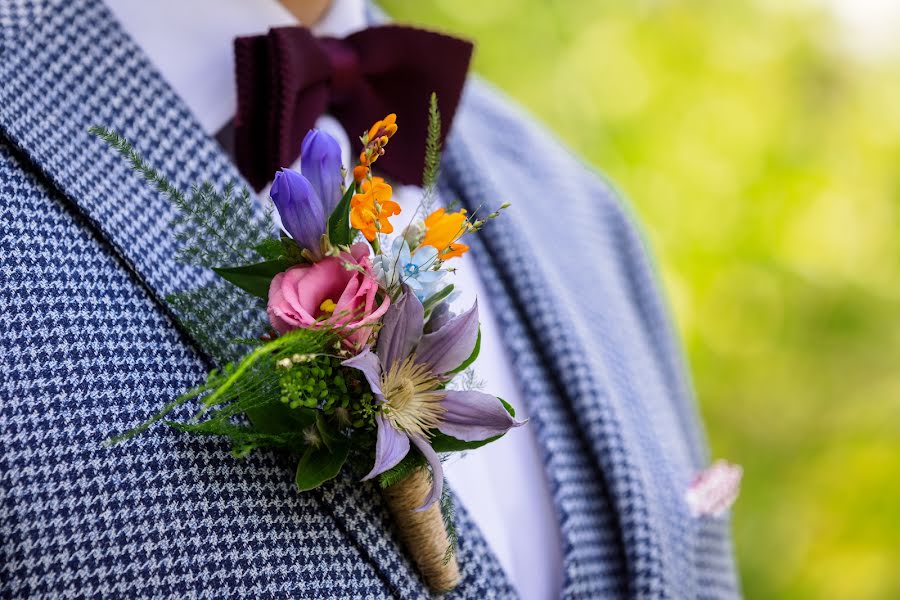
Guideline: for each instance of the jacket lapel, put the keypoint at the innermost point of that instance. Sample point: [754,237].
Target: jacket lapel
[576,273]
[55,83]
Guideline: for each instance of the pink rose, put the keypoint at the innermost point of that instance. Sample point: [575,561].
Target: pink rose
[326,293]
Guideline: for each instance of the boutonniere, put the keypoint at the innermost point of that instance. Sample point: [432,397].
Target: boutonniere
[356,365]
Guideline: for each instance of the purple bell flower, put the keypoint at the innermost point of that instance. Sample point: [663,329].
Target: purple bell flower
[299,208]
[305,202]
[406,373]
[320,163]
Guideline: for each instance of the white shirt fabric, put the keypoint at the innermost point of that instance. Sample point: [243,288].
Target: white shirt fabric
[502,485]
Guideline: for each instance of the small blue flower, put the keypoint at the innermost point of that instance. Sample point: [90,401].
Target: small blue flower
[402,266]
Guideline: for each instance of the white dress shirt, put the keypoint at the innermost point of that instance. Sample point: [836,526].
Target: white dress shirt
[502,485]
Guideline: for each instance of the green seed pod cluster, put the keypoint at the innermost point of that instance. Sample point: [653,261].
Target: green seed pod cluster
[322,383]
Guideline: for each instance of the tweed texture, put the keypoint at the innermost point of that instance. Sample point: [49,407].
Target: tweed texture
[15,13]
[89,348]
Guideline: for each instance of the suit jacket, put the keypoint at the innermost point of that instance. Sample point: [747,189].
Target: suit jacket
[89,348]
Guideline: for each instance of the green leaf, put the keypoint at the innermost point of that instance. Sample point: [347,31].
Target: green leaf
[339,231]
[254,279]
[270,249]
[509,407]
[437,298]
[442,442]
[472,357]
[277,417]
[328,433]
[318,465]
[292,251]
[213,225]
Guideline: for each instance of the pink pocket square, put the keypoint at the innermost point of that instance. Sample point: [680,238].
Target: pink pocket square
[714,489]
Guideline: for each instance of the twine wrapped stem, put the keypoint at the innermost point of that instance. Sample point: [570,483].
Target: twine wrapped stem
[423,533]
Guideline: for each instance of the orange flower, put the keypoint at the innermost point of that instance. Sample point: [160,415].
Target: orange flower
[442,230]
[369,211]
[385,127]
[360,172]
[376,139]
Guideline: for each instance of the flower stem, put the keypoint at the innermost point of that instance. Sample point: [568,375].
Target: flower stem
[423,533]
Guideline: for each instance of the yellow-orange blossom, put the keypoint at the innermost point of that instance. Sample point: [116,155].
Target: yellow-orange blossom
[369,210]
[374,140]
[443,229]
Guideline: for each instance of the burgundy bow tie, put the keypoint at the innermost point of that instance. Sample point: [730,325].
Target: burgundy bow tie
[288,78]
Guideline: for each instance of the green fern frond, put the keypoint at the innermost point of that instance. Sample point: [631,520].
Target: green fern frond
[241,387]
[208,313]
[241,435]
[165,410]
[123,147]
[448,513]
[215,229]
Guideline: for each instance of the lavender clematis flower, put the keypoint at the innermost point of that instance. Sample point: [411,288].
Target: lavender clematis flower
[406,373]
[320,163]
[305,201]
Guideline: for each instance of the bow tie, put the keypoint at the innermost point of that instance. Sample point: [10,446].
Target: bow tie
[288,78]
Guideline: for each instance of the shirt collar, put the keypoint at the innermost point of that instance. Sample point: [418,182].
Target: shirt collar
[190,43]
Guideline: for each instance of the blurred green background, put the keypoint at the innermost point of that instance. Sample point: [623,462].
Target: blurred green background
[759,141]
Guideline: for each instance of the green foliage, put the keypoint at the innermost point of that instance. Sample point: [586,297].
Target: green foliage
[437,298]
[212,314]
[339,231]
[289,393]
[270,249]
[319,464]
[448,513]
[441,442]
[291,251]
[276,418]
[243,438]
[253,387]
[215,228]
[411,462]
[432,155]
[161,414]
[321,382]
[254,279]
[472,357]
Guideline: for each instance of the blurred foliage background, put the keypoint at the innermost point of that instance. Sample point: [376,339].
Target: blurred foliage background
[759,141]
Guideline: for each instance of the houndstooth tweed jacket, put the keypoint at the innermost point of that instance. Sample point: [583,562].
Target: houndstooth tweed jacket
[88,348]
